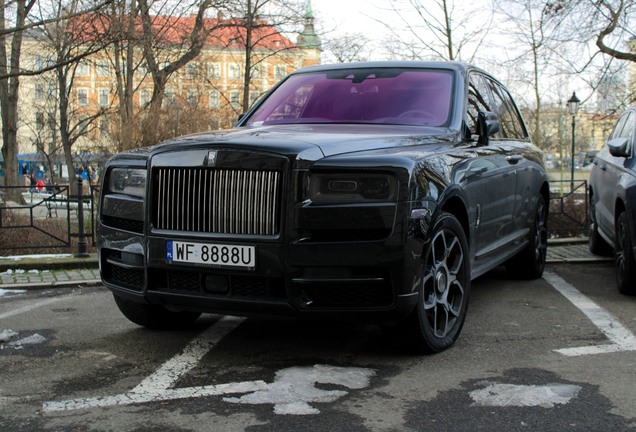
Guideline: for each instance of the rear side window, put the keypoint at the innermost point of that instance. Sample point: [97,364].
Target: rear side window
[516,118]
[506,121]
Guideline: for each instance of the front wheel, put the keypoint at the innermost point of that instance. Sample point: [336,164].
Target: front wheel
[439,316]
[154,316]
[530,262]
[624,257]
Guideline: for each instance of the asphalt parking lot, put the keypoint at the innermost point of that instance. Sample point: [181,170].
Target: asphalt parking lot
[557,353]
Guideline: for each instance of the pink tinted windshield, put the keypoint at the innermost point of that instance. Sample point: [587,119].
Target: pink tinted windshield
[379,96]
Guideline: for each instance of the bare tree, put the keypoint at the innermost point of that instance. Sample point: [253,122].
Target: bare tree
[438,28]
[255,26]
[348,47]
[531,53]
[9,93]
[178,41]
[10,71]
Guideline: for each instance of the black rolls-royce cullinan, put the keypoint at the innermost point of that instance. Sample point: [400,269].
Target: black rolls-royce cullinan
[367,191]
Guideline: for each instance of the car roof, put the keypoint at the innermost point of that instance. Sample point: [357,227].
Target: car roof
[454,65]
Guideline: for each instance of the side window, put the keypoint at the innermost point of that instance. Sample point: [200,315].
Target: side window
[516,118]
[628,131]
[478,100]
[501,109]
[616,133]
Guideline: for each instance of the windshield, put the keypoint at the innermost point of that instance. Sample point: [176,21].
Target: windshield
[380,96]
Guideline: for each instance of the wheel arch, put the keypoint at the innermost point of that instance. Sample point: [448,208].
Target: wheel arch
[455,205]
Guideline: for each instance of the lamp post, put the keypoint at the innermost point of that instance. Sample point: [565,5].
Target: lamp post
[573,107]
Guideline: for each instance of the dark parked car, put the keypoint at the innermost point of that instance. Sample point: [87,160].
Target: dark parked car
[369,191]
[613,201]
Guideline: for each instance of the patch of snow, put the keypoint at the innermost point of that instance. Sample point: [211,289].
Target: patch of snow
[6,335]
[293,388]
[31,340]
[4,292]
[503,395]
[19,257]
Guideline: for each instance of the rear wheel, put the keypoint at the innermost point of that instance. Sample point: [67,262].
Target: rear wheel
[439,316]
[624,257]
[598,246]
[154,316]
[530,262]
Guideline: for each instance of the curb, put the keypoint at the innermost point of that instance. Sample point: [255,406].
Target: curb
[51,285]
[50,263]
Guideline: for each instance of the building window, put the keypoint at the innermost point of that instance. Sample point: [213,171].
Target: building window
[193,99]
[144,97]
[214,99]
[82,126]
[234,71]
[39,121]
[103,68]
[168,99]
[253,98]
[142,71]
[82,97]
[192,71]
[83,69]
[103,127]
[39,91]
[39,62]
[103,97]
[50,91]
[280,72]
[52,122]
[235,98]
[214,70]
[256,71]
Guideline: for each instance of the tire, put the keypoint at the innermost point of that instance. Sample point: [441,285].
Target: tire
[624,257]
[437,320]
[598,246]
[530,262]
[155,316]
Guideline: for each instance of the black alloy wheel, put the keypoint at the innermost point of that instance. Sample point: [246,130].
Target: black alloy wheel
[530,262]
[155,316]
[624,257]
[598,246]
[435,324]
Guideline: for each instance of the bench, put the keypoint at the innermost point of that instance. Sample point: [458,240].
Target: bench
[59,203]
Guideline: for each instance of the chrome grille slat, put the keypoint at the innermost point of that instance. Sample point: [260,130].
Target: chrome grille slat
[226,201]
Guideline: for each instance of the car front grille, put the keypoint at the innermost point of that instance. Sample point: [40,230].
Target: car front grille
[227,201]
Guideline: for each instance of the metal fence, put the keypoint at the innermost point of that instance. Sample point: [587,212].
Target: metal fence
[46,210]
[569,212]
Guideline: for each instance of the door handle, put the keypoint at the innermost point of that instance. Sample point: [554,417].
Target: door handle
[604,167]
[514,159]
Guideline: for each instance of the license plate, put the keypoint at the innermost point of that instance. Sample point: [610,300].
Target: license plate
[213,254]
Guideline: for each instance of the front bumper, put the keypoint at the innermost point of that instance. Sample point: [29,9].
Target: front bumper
[360,281]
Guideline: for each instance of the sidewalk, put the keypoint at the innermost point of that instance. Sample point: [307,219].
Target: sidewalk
[65,271]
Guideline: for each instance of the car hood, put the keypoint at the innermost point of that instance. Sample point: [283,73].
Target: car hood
[316,141]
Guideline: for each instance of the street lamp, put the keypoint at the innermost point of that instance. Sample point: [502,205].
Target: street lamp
[573,107]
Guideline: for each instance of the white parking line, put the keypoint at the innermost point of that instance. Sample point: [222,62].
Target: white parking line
[156,386]
[31,307]
[622,338]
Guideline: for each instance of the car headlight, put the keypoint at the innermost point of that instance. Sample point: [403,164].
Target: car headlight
[127,181]
[352,188]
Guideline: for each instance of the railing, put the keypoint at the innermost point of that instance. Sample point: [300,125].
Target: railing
[46,209]
[569,213]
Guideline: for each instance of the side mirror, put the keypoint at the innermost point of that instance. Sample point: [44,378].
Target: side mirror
[618,147]
[487,124]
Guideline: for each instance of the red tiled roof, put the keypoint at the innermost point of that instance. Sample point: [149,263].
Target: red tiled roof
[177,30]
